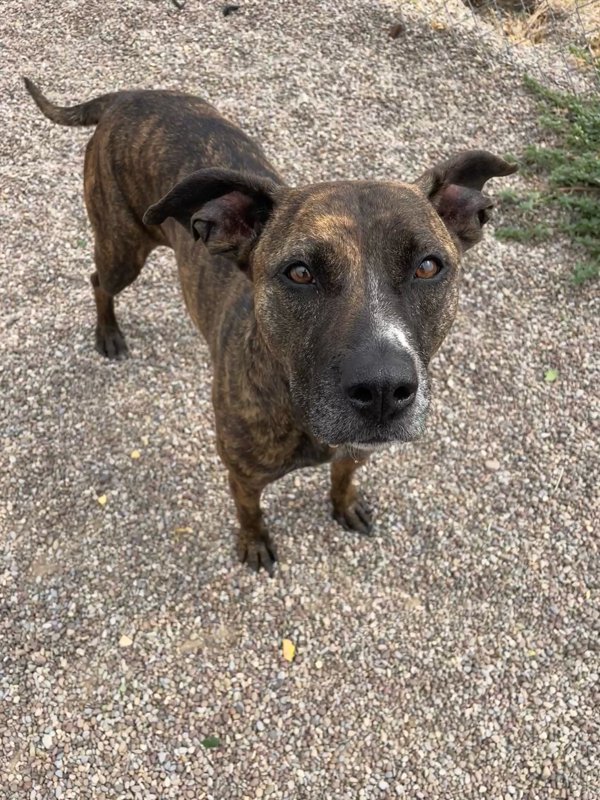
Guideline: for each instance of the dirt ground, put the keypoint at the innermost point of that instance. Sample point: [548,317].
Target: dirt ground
[454,655]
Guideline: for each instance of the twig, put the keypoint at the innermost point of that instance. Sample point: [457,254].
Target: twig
[559,479]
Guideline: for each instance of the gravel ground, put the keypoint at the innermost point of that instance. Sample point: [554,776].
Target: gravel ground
[452,656]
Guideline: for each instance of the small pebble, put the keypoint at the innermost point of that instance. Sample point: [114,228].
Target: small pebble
[492,465]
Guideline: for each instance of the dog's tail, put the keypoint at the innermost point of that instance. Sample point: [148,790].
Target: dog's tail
[83,114]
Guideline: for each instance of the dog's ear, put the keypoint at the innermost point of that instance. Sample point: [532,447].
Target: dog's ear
[454,188]
[225,209]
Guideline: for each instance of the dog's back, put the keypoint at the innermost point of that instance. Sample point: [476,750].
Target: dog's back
[150,139]
[143,144]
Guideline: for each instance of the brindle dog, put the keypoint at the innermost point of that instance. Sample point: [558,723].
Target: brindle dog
[321,304]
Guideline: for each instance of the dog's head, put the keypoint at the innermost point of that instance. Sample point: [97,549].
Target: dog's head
[355,283]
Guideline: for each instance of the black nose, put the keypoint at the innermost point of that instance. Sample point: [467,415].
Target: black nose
[379,389]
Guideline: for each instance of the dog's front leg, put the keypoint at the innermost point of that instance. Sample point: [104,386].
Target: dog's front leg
[349,509]
[254,545]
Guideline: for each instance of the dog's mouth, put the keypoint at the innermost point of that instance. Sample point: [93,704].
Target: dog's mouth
[379,441]
[334,422]
[338,427]
[342,428]
[357,450]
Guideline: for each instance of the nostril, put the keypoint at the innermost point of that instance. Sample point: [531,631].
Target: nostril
[360,394]
[404,392]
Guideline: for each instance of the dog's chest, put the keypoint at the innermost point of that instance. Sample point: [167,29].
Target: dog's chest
[310,453]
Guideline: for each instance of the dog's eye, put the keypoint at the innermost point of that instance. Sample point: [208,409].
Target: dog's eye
[428,268]
[299,273]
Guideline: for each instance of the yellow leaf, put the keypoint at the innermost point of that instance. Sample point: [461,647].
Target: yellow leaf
[183,530]
[288,649]
[102,499]
[437,25]
[135,454]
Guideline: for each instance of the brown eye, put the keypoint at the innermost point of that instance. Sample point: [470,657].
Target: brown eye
[428,268]
[299,273]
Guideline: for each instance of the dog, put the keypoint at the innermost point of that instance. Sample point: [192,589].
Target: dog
[322,305]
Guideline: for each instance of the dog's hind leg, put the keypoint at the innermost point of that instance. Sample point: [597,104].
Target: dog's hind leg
[109,339]
[122,243]
[115,270]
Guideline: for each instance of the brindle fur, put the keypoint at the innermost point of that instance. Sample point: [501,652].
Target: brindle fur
[263,347]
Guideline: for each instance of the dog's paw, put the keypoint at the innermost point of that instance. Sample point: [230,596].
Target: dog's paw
[357,516]
[257,552]
[111,343]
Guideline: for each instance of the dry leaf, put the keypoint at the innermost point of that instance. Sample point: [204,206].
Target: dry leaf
[288,649]
[437,25]
[183,530]
[191,645]
[125,641]
[135,454]
[102,499]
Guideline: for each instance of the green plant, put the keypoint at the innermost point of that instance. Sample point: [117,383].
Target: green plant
[567,176]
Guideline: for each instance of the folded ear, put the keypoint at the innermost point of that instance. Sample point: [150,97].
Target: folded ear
[454,188]
[225,209]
